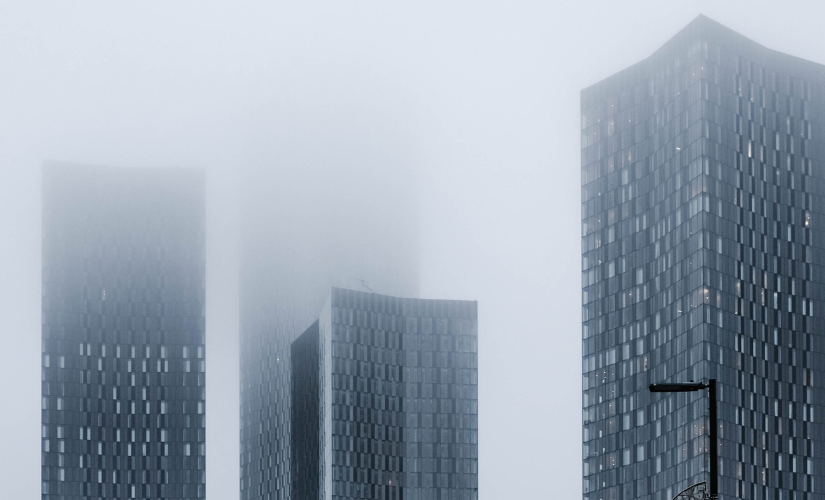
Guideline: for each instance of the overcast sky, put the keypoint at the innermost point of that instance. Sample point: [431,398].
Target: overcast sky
[482,97]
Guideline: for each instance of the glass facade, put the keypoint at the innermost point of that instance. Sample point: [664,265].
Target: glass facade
[273,315]
[398,392]
[123,333]
[306,414]
[702,196]
[293,250]
[268,328]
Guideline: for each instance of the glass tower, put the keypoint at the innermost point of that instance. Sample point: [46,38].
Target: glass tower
[385,400]
[702,201]
[122,333]
[304,232]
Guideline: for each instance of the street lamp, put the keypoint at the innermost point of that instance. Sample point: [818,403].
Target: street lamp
[714,454]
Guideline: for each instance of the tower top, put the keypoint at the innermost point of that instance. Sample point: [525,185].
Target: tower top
[704,30]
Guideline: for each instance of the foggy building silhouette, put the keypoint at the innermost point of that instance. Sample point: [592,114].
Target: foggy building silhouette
[702,248]
[385,400]
[122,333]
[305,230]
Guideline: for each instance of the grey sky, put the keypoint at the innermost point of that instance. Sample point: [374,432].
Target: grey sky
[482,97]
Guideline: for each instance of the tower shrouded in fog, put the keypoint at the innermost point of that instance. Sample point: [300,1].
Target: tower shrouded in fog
[702,219]
[339,216]
[123,333]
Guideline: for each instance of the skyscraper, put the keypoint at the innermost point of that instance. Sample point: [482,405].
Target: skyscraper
[304,232]
[122,333]
[702,217]
[385,400]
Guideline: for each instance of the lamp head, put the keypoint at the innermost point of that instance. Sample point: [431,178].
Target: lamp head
[679,387]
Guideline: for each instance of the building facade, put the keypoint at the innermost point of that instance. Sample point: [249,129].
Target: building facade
[702,253]
[385,400]
[305,230]
[123,333]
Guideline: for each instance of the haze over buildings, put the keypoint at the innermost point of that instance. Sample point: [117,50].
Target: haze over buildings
[486,97]
[703,209]
[308,226]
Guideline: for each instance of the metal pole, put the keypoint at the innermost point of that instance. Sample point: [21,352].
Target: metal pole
[714,452]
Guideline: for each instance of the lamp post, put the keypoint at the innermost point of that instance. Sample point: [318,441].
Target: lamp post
[714,453]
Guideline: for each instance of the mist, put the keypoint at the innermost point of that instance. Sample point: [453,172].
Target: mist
[460,121]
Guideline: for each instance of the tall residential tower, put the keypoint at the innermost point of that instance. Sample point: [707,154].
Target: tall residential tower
[385,400]
[304,231]
[702,254]
[123,333]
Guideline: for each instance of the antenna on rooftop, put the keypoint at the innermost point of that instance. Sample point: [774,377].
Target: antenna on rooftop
[366,285]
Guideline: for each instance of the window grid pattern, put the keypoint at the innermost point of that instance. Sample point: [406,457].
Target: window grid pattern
[404,380]
[268,328]
[279,299]
[122,335]
[699,204]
